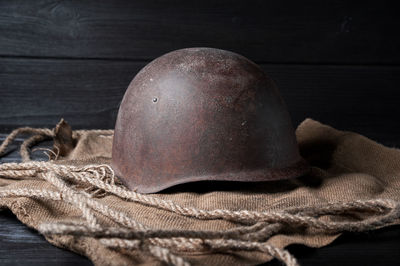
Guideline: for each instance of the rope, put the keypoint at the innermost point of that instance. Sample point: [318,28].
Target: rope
[252,230]
[40,135]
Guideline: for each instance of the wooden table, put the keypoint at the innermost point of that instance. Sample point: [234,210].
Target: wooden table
[336,61]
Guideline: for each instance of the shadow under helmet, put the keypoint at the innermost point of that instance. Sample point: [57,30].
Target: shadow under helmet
[203,114]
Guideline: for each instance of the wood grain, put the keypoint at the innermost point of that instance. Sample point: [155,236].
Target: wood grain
[87,93]
[334,31]
[335,61]
[20,245]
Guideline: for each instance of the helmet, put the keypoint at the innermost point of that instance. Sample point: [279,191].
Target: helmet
[203,114]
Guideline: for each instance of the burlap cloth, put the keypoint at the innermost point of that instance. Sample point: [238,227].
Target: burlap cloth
[346,168]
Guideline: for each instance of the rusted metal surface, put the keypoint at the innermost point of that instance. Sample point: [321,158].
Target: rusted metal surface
[203,114]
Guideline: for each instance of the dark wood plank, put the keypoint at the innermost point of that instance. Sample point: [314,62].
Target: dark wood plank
[20,245]
[362,99]
[335,31]
[87,94]
[40,92]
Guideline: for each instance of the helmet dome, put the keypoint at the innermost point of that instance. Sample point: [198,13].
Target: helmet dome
[203,114]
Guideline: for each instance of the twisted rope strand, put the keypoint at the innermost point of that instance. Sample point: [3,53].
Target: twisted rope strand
[166,256]
[116,232]
[86,175]
[24,130]
[244,216]
[28,143]
[75,198]
[86,204]
[217,245]
[278,253]
[117,243]
[31,193]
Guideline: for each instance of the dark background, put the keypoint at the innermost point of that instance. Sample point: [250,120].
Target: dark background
[334,61]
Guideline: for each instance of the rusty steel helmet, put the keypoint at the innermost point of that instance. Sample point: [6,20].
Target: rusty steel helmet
[203,114]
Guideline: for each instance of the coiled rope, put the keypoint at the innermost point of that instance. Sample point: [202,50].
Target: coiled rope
[251,233]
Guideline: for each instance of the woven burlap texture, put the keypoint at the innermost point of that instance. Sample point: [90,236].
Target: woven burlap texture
[354,185]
